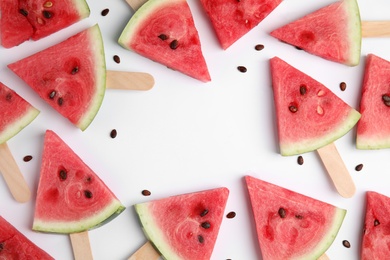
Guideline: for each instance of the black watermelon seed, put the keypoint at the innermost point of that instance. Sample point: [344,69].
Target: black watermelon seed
[23,12]
[359,167]
[242,69]
[300,160]
[376,222]
[343,86]
[259,47]
[293,108]
[117,59]
[63,174]
[47,14]
[386,99]
[282,212]
[105,12]
[302,89]
[146,193]
[231,214]
[8,97]
[1,246]
[88,194]
[163,37]
[60,101]
[52,94]
[204,212]
[74,70]
[299,216]
[27,158]
[206,225]
[174,44]
[113,133]
[346,243]
[201,239]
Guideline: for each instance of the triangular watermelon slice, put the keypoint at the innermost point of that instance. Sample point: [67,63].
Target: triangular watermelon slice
[376,239]
[332,32]
[15,113]
[71,197]
[164,31]
[24,19]
[291,225]
[233,19]
[373,129]
[185,226]
[309,115]
[14,245]
[70,76]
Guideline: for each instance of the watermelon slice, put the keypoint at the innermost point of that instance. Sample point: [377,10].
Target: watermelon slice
[332,32]
[15,113]
[14,27]
[373,129]
[70,198]
[70,76]
[24,19]
[14,245]
[164,31]
[309,115]
[184,226]
[290,225]
[376,240]
[233,19]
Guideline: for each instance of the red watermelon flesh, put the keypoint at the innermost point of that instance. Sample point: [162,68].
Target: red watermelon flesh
[233,19]
[15,113]
[49,16]
[376,239]
[373,129]
[332,32]
[14,27]
[14,245]
[164,31]
[70,76]
[71,197]
[184,226]
[309,115]
[291,225]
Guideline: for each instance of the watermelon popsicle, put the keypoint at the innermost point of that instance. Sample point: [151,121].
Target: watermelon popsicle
[311,117]
[71,198]
[15,113]
[333,32]
[75,84]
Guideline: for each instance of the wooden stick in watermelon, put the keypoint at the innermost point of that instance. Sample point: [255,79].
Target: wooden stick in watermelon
[145,252]
[375,29]
[18,113]
[71,198]
[129,80]
[310,117]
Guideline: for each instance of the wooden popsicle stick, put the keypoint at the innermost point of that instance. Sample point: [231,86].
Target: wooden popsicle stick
[129,80]
[337,171]
[145,252]
[375,29]
[323,257]
[135,4]
[12,175]
[81,246]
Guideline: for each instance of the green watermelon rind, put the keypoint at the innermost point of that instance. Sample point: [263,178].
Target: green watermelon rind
[138,18]
[100,76]
[17,126]
[107,214]
[355,32]
[308,145]
[153,232]
[82,8]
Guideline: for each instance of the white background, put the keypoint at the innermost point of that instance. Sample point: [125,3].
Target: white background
[185,135]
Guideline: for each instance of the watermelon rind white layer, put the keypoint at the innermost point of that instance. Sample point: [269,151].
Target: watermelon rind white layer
[82,7]
[17,126]
[97,47]
[328,238]
[355,31]
[102,217]
[139,16]
[309,145]
[153,232]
